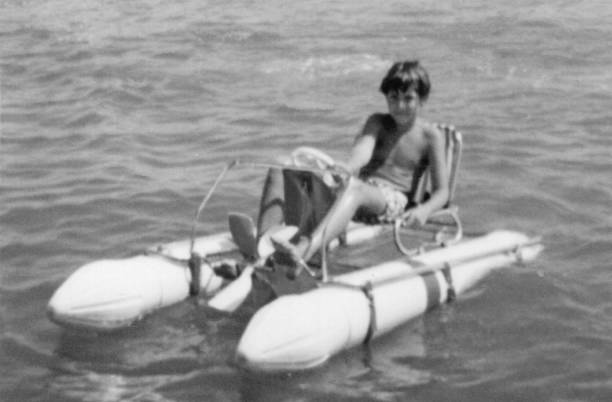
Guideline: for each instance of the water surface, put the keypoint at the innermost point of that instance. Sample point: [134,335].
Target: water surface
[116,117]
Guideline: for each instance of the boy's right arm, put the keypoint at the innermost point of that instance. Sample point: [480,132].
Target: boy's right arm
[363,147]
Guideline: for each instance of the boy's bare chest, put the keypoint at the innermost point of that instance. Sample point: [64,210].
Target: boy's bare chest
[406,152]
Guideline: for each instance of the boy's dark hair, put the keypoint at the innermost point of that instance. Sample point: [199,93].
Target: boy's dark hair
[404,75]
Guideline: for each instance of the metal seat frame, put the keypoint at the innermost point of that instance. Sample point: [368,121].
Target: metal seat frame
[454,149]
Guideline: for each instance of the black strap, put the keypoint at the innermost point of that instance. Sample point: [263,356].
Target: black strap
[367,291]
[451,295]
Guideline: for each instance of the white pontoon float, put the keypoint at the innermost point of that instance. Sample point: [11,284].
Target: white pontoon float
[296,332]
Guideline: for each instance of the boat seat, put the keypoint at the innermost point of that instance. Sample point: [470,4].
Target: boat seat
[453,153]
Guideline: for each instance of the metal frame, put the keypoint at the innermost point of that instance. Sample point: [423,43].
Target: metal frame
[454,150]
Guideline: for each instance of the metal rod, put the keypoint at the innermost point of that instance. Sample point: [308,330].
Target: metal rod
[420,268]
[226,168]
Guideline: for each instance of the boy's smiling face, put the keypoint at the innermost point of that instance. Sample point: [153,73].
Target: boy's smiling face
[403,105]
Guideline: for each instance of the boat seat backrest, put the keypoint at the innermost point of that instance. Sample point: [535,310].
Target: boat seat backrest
[453,151]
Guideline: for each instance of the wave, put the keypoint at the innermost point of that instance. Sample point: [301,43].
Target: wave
[335,65]
[86,119]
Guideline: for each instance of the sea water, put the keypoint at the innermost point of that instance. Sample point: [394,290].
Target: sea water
[116,117]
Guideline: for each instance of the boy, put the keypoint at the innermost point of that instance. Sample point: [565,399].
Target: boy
[387,159]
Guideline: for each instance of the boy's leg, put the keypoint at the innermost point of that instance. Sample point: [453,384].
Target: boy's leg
[272,203]
[356,195]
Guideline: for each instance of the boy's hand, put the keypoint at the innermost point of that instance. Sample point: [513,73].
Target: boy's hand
[415,217]
[343,169]
[340,173]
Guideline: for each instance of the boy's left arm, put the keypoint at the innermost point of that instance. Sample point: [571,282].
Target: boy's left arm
[439,178]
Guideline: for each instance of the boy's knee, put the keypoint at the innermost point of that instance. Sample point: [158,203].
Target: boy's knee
[274,175]
[355,184]
[353,187]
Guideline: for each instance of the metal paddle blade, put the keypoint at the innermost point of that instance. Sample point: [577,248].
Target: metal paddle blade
[233,295]
[243,232]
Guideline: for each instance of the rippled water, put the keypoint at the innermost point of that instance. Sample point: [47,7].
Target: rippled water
[117,115]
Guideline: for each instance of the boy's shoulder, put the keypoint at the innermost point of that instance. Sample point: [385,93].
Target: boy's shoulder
[431,130]
[378,117]
[376,122]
